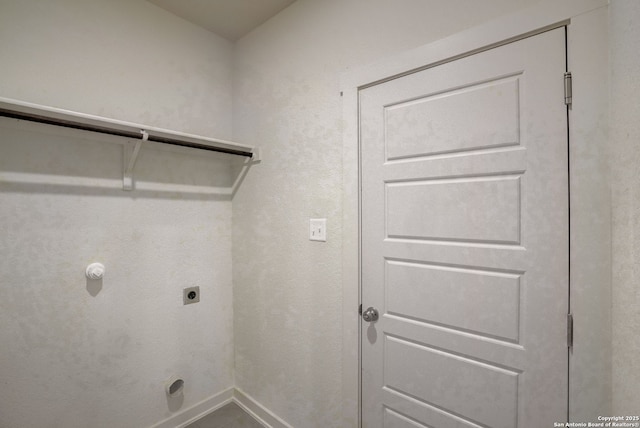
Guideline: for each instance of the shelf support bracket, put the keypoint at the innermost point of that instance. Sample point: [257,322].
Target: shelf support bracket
[131,151]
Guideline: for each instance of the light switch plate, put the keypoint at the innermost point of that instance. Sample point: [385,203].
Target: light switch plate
[318,229]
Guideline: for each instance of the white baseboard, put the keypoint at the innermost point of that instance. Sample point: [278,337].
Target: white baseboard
[258,411]
[211,404]
[197,411]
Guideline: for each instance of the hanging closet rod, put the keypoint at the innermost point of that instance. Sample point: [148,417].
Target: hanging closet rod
[69,119]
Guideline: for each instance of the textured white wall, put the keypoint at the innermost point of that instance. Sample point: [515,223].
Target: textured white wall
[288,290]
[625,143]
[78,354]
[590,199]
[121,59]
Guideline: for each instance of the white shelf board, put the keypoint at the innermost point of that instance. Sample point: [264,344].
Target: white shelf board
[71,119]
[133,134]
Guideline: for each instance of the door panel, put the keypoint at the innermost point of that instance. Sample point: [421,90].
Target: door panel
[455,308]
[451,381]
[465,241]
[460,115]
[439,209]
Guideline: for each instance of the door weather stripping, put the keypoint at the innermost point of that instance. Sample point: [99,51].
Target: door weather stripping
[568,90]
[569,330]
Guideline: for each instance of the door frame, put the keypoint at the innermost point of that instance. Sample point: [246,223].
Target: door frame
[586,22]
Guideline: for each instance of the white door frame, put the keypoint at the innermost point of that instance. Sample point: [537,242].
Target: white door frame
[590,236]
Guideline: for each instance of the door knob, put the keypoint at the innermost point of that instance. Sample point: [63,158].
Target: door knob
[370,315]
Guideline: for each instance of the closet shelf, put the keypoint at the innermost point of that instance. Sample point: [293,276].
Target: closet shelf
[130,131]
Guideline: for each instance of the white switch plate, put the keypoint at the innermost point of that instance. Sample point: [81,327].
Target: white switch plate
[318,229]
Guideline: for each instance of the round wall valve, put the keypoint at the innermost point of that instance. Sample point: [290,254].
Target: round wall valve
[95,271]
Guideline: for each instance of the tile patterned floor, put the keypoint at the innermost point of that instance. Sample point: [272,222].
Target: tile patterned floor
[229,416]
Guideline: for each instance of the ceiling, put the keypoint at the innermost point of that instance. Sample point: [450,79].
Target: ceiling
[230,19]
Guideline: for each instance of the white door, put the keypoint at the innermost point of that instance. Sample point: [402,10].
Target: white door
[464,217]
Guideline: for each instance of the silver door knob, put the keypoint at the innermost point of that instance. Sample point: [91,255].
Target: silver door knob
[370,315]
